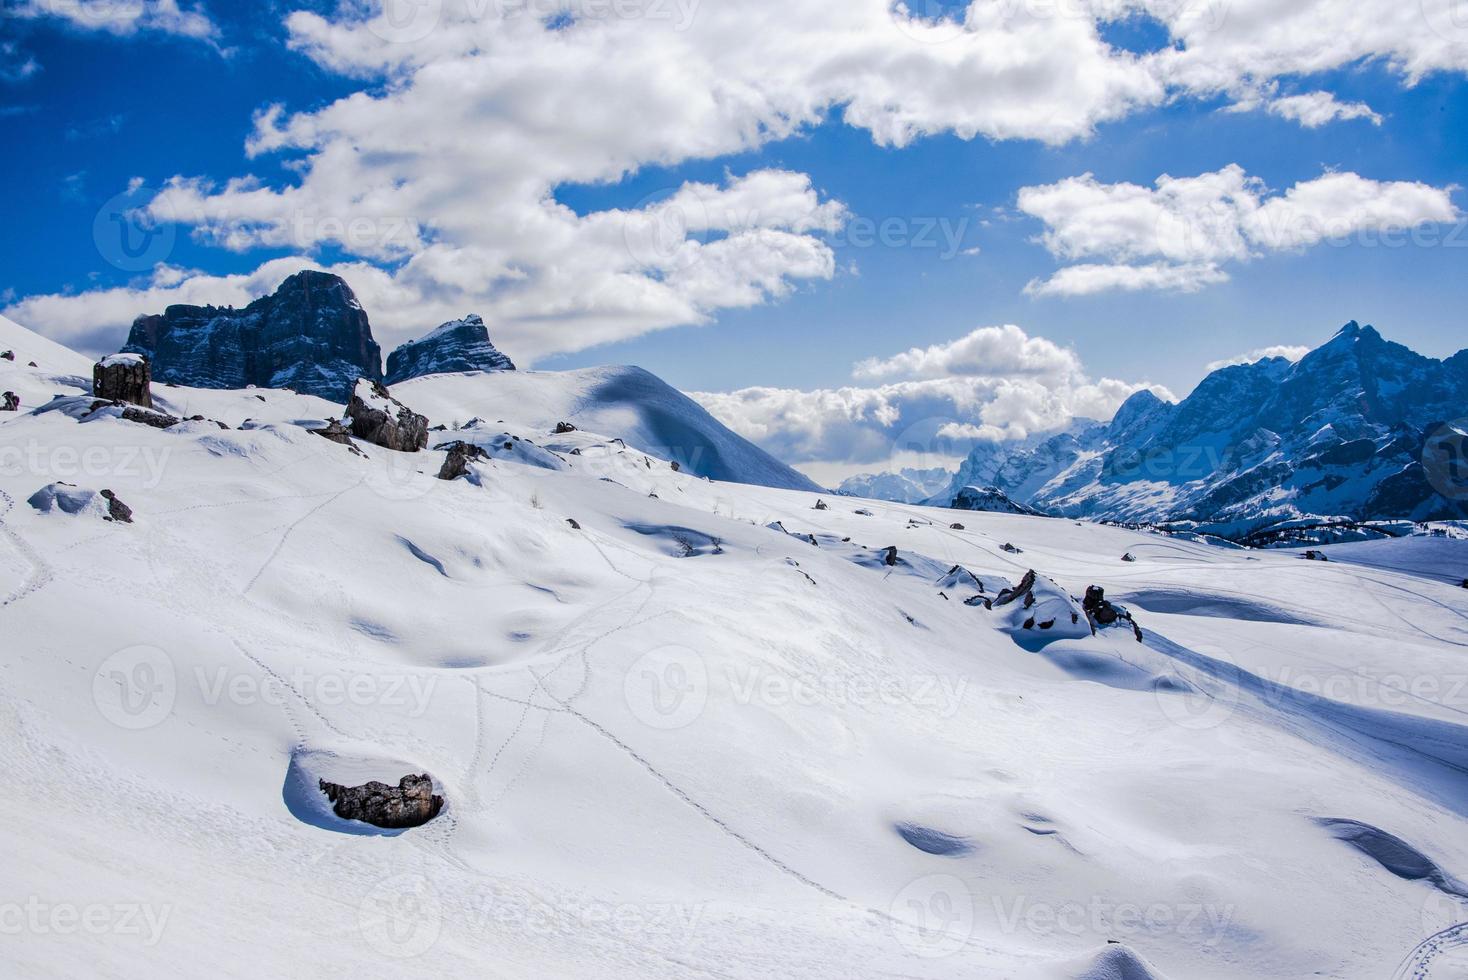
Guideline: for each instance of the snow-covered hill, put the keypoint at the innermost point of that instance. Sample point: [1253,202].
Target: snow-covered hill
[686,728]
[908,486]
[1350,430]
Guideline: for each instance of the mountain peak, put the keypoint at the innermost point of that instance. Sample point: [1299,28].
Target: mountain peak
[1354,331]
[450,348]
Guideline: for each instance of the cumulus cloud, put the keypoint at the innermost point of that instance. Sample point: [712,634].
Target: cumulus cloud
[442,172]
[993,385]
[1178,234]
[123,18]
[1287,351]
[1315,109]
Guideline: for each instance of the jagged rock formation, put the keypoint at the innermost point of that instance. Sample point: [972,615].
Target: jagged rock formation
[1101,612]
[1351,430]
[411,803]
[459,345]
[461,454]
[382,420]
[123,378]
[311,336]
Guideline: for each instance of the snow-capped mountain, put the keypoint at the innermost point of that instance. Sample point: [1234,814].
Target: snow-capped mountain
[279,701]
[908,486]
[1343,432]
[459,345]
[311,335]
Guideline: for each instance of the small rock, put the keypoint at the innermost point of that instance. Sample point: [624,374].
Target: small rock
[461,454]
[676,467]
[564,427]
[146,416]
[116,509]
[8,355]
[822,505]
[411,803]
[863,512]
[335,432]
[1314,556]
[32,364]
[1011,549]
[956,527]
[1128,557]
[123,378]
[574,524]
[11,402]
[890,559]
[1101,612]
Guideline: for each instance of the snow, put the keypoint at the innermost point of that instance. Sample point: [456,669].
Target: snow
[676,742]
[113,360]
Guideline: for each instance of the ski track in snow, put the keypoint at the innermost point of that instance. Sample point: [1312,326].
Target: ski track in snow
[40,575]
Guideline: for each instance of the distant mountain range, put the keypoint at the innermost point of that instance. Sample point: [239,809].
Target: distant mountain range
[909,486]
[1347,431]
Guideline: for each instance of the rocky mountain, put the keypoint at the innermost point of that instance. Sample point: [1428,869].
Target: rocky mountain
[311,336]
[908,486]
[1345,432]
[990,500]
[459,345]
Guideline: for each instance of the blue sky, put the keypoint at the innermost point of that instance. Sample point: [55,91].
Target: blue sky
[87,109]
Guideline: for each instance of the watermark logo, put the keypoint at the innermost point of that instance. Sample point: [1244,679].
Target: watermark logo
[1448,19]
[667,688]
[661,231]
[406,21]
[934,916]
[401,917]
[135,688]
[1201,700]
[129,235]
[38,918]
[1445,459]
[103,15]
[143,464]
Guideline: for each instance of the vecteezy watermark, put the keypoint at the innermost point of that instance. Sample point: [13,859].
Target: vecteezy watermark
[661,231]
[135,688]
[144,464]
[1202,696]
[401,917]
[410,692]
[754,684]
[934,916]
[575,917]
[667,688]
[405,21]
[410,21]
[40,918]
[1445,459]
[129,234]
[1097,916]
[941,234]
[944,21]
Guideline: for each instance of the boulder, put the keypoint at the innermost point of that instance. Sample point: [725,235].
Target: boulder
[411,803]
[1102,612]
[335,432]
[123,378]
[1011,549]
[11,402]
[822,505]
[379,418]
[116,509]
[562,428]
[1128,557]
[461,454]
[8,355]
[956,527]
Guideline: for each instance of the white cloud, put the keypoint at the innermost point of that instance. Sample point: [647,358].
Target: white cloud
[1315,109]
[994,384]
[123,17]
[1288,351]
[1178,234]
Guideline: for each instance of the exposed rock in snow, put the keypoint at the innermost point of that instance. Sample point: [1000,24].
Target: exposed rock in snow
[1102,612]
[311,336]
[990,500]
[459,345]
[123,378]
[381,419]
[1037,604]
[334,431]
[11,402]
[1012,549]
[461,454]
[412,803]
[116,509]
[563,428]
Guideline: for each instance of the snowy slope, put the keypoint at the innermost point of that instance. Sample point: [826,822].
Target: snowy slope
[619,401]
[707,731]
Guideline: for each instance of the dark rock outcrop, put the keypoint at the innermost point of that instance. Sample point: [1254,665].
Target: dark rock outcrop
[1011,549]
[123,378]
[411,803]
[116,509]
[11,402]
[461,454]
[564,427]
[382,420]
[311,336]
[1102,612]
[459,345]
[991,500]
[8,355]
[335,432]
